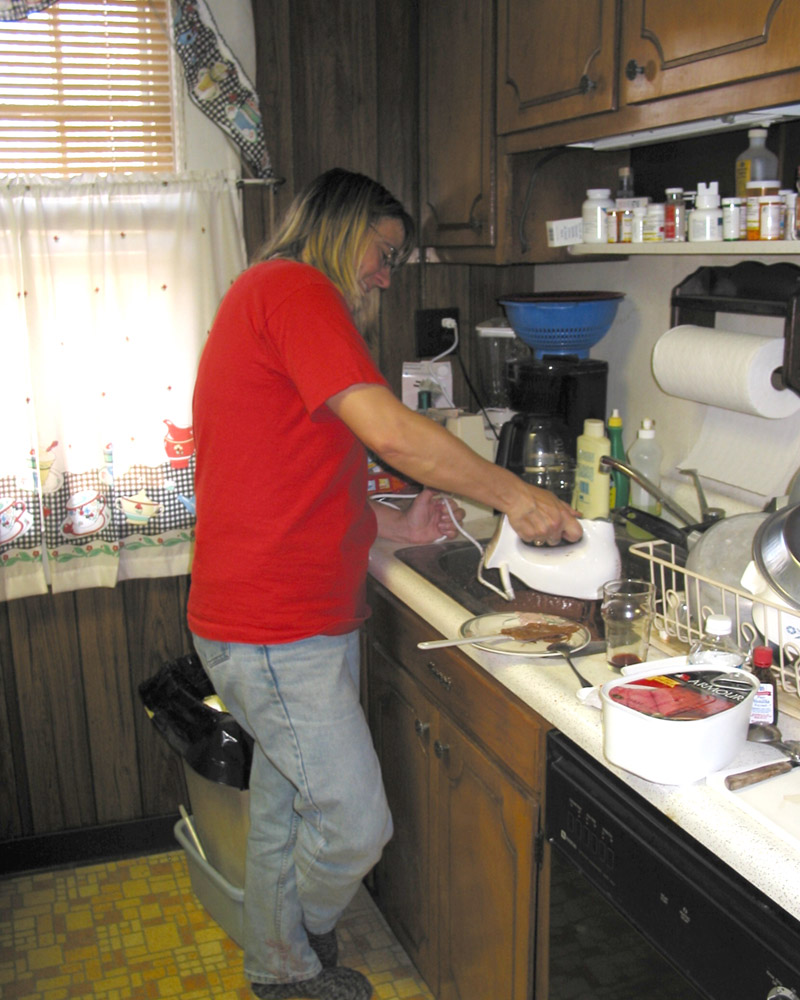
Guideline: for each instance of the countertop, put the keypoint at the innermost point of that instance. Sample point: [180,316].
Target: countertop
[767,859]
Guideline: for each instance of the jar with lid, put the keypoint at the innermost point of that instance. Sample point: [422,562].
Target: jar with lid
[717,648]
[705,219]
[654,223]
[637,226]
[674,216]
[756,190]
[756,162]
[789,224]
[764,710]
[770,217]
[733,219]
[593,212]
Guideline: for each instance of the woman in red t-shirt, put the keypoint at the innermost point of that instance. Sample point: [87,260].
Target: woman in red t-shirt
[287,402]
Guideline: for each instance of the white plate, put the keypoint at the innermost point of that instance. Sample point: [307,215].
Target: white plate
[493,623]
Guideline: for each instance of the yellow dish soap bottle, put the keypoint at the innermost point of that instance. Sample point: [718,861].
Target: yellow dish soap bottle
[591,496]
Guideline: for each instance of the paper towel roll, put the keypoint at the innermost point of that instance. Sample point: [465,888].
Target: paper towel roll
[723,368]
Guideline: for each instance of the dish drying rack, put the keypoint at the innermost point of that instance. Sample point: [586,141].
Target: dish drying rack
[686,598]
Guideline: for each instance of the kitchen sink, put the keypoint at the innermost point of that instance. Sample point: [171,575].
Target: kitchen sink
[452,567]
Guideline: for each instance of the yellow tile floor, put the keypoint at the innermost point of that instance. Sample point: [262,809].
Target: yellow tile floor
[133,930]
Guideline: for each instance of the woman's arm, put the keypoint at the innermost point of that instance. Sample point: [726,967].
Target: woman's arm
[424,451]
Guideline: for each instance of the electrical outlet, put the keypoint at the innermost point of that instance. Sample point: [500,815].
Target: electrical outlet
[431,337]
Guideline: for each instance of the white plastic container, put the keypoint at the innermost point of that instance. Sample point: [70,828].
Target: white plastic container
[705,219]
[645,456]
[674,752]
[593,212]
[592,484]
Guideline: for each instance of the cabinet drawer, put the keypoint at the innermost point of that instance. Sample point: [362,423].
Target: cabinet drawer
[509,729]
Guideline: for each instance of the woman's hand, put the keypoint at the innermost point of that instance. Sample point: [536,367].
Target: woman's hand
[542,518]
[425,520]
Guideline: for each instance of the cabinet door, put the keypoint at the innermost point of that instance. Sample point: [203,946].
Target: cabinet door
[486,875]
[457,123]
[556,60]
[403,722]
[686,45]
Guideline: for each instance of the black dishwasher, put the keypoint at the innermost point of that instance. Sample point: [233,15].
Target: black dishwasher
[638,909]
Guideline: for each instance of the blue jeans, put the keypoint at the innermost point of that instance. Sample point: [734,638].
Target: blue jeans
[318,812]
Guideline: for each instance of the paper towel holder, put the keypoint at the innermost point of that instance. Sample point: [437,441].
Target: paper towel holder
[751,288]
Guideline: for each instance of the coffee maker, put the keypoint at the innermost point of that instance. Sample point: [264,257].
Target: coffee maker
[562,386]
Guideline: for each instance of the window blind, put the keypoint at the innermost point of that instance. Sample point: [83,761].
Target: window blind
[85,87]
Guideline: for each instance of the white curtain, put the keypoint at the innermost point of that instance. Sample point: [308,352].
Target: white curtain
[108,287]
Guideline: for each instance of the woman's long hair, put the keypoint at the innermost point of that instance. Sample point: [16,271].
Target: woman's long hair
[328,225]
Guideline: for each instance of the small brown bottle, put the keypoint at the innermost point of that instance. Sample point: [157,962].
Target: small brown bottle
[764,710]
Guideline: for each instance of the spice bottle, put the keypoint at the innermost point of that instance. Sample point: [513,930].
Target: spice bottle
[717,648]
[674,216]
[620,484]
[592,492]
[756,163]
[593,213]
[764,710]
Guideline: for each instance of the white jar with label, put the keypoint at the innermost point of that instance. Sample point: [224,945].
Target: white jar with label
[654,223]
[637,226]
[733,219]
[705,220]
[593,213]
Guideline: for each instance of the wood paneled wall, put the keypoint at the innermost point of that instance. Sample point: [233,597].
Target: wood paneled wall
[338,84]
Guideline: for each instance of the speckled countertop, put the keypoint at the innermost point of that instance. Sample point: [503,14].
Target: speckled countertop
[770,860]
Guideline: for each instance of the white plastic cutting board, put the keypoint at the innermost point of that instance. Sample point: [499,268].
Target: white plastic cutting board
[775,802]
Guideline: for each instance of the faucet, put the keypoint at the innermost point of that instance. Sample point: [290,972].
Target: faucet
[652,489]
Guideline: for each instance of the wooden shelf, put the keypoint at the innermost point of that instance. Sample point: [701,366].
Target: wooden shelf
[740,248]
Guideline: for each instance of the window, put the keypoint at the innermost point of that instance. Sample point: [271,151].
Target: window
[87,88]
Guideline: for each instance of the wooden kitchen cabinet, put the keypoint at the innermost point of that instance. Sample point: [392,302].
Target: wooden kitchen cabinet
[556,59]
[457,134]
[576,70]
[462,763]
[690,45]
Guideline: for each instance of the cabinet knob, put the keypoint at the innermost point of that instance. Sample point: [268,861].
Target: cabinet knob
[633,69]
[585,84]
[440,749]
[420,727]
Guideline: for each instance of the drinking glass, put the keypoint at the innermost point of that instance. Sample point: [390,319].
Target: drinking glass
[627,610]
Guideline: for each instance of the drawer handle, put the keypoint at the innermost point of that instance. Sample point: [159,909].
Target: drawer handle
[586,84]
[440,749]
[420,727]
[443,679]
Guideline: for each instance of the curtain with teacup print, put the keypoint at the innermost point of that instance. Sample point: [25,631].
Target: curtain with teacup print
[108,287]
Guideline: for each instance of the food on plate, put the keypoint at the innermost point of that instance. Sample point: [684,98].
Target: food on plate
[539,631]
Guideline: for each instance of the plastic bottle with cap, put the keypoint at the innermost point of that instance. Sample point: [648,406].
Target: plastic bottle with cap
[591,495]
[620,484]
[645,456]
[705,219]
[756,163]
[764,710]
[717,649]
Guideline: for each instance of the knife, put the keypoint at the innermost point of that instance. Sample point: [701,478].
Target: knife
[756,774]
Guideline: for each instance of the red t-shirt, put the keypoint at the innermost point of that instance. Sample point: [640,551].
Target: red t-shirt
[283,524]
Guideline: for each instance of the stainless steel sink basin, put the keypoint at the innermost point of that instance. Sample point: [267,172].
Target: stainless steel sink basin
[452,568]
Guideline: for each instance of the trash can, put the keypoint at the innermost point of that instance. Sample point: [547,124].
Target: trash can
[216,754]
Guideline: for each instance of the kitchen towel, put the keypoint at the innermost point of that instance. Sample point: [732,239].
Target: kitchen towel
[724,368]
